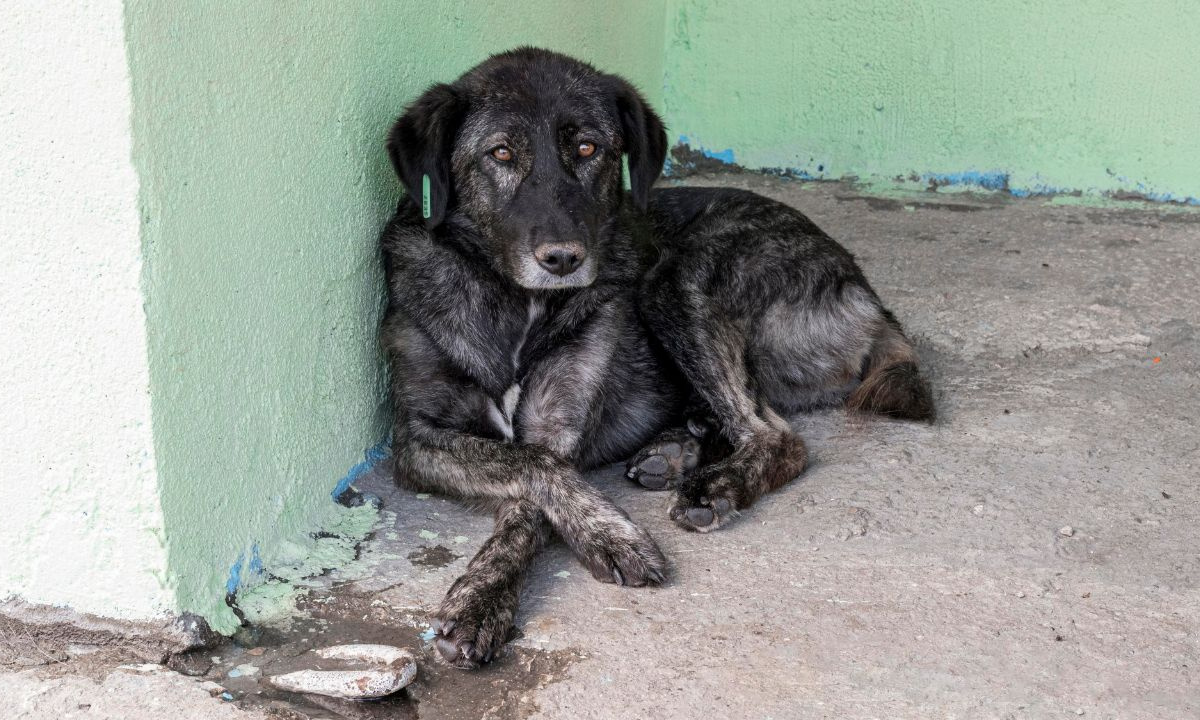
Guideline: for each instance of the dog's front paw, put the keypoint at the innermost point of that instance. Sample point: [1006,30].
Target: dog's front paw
[473,623]
[663,463]
[616,550]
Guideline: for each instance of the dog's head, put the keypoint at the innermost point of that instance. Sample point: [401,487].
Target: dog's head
[528,146]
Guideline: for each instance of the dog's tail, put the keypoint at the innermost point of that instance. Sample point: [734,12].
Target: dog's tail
[892,384]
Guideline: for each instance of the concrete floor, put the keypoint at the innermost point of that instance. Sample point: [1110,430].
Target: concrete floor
[1036,554]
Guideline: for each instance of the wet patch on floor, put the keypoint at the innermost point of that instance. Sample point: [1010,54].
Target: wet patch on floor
[504,690]
[438,556]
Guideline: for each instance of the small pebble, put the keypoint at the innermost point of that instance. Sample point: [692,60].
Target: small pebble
[1020,594]
[226,697]
[978,509]
[422,496]
[189,664]
[256,651]
[1066,531]
[562,574]
[428,535]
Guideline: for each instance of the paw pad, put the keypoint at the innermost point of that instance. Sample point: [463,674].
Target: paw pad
[704,515]
[660,465]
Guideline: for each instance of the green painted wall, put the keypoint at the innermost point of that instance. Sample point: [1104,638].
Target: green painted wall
[1092,95]
[258,138]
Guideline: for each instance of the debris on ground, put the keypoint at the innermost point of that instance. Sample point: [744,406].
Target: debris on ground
[366,672]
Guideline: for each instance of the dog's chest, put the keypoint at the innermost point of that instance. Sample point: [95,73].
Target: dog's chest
[500,411]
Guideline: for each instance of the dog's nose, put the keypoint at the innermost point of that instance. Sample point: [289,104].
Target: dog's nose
[560,258]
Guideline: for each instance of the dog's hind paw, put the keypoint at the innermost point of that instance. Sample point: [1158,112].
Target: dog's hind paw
[703,514]
[713,494]
[661,464]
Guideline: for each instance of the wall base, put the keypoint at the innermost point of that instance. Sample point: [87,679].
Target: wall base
[33,634]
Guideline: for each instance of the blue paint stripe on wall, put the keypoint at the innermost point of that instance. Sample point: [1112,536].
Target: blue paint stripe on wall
[995,180]
[990,180]
[370,458]
[256,564]
[725,156]
[235,576]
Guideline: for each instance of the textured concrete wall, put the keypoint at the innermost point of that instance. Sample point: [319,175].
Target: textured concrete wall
[80,522]
[1096,96]
[259,139]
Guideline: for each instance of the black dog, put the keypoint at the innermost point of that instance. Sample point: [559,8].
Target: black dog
[541,322]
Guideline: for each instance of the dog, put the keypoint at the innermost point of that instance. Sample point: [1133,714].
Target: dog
[543,321]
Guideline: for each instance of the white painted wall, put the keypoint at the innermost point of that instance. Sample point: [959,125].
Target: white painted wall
[80,522]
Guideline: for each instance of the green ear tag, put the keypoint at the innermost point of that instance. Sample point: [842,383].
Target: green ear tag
[425,210]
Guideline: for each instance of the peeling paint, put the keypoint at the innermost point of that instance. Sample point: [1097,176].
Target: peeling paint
[993,180]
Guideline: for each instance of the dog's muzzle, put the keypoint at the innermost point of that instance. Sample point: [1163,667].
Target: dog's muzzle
[556,266]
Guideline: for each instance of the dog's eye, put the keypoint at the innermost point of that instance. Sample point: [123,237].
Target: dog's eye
[502,154]
[586,149]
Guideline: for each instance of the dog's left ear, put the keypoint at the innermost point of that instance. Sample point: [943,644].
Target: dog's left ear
[645,140]
[420,144]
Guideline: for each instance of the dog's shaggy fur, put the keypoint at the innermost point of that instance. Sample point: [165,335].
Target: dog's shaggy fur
[542,321]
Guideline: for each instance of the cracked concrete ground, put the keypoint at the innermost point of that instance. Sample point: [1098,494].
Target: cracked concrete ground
[1035,554]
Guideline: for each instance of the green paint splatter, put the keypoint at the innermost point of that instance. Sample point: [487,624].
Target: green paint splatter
[292,563]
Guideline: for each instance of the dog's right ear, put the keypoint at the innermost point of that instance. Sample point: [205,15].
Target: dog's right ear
[420,144]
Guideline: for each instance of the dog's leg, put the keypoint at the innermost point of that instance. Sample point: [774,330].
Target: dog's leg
[710,351]
[475,617]
[452,438]
[536,489]
[439,448]
[714,492]
[607,542]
